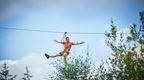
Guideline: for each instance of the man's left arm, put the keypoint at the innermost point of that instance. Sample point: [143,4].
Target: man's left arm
[78,43]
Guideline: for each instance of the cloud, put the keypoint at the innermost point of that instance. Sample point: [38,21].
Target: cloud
[40,68]
[10,8]
[78,4]
[38,65]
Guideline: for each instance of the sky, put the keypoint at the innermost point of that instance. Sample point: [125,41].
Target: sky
[19,47]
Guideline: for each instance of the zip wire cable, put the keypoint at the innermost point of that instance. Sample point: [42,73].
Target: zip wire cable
[36,30]
[22,29]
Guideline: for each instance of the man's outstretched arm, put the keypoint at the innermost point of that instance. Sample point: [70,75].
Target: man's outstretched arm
[59,42]
[78,43]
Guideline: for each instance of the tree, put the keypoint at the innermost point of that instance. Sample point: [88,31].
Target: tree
[27,75]
[77,69]
[5,75]
[127,61]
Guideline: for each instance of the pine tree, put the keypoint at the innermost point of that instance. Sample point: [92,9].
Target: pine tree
[27,75]
[5,75]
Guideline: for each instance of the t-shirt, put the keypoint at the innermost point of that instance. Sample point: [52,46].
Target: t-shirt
[68,45]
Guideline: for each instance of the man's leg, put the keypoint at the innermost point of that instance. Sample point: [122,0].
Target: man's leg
[65,57]
[53,56]
[59,54]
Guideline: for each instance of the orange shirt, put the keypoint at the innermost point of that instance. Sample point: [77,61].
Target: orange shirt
[68,45]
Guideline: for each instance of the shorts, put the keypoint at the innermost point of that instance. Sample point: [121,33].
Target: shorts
[65,52]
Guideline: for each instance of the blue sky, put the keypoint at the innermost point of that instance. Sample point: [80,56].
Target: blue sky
[62,15]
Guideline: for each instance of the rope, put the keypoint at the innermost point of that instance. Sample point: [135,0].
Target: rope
[20,29]
[36,30]
[64,36]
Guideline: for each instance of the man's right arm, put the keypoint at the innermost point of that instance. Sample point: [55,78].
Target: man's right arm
[59,42]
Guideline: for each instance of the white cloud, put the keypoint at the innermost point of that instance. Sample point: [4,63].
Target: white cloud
[38,65]
[12,8]
[78,4]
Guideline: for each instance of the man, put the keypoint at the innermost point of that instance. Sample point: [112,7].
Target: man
[67,47]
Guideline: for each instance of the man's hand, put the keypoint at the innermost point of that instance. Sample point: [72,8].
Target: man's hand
[55,40]
[82,42]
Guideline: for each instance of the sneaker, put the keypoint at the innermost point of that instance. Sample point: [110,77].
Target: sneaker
[47,56]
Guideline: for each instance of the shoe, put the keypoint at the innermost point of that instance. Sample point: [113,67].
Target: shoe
[47,56]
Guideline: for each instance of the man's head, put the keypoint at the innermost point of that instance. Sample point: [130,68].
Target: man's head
[67,39]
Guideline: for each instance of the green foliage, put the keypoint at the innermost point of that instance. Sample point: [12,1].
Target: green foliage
[5,75]
[127,62]
[77,69]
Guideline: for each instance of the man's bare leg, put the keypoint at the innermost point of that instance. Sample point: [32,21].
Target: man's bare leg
[65,61]
[65,57]
[53,56]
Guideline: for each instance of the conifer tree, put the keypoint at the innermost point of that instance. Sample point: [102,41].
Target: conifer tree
[27,75]
[5,73]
